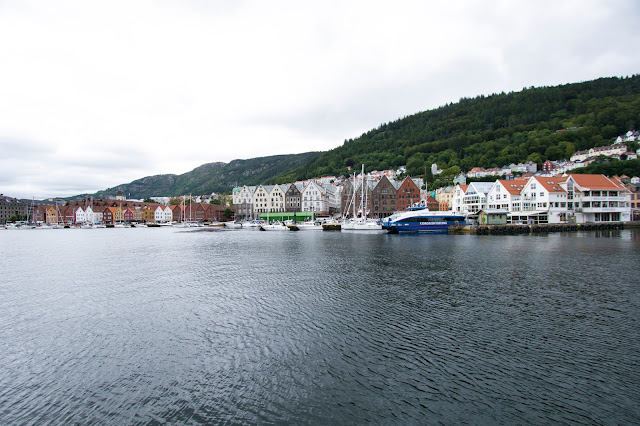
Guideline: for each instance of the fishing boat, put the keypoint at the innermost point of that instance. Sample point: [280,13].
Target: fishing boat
[420,219]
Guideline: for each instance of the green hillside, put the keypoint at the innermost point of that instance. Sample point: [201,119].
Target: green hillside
[534,124]
[212,177]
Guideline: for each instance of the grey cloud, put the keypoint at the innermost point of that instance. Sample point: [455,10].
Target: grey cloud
[20,149]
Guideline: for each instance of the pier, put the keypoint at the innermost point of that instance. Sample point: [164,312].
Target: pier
[539,228]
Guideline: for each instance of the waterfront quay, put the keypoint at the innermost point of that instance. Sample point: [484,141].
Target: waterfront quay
[510,229]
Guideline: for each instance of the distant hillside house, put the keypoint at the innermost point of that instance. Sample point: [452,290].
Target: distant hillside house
[607,151]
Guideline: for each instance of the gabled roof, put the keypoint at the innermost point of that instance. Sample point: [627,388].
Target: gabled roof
[513,187]
[482,187]
[396,184]
[597,182]
[552,184]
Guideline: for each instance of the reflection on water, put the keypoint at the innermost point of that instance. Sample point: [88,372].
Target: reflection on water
[157,326]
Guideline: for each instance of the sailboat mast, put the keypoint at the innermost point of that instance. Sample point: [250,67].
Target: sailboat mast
[354,196]
[362,207]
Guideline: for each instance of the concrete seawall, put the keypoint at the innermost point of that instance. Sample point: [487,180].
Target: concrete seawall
[540,229]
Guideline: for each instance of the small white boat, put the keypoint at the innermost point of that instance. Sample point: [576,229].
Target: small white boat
[233,225]
[361,225]
[307,226]
[275,226]
[253,224]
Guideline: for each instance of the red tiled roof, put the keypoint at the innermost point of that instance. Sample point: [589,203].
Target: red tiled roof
[552,184]
[597,182]
[513,186]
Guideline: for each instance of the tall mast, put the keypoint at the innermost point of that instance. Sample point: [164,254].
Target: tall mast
[362,206]
[354,196]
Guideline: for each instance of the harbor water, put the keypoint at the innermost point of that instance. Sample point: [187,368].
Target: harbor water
[159,326]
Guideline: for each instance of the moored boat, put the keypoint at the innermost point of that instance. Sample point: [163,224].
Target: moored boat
[306,226]
[420,219]
[275,226]
[233,225]
[362,225]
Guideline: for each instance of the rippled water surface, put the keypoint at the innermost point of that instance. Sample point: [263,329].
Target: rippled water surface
[127,326]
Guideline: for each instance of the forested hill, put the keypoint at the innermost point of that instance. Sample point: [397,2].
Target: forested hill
[212,177]
[535,124]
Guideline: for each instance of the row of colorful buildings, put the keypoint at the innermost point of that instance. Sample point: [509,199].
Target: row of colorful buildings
[107,211]
[375,196]
[572,198]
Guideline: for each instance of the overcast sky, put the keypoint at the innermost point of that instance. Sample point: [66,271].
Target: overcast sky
[95,94]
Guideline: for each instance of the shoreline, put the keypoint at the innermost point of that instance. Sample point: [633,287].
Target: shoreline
[540,228]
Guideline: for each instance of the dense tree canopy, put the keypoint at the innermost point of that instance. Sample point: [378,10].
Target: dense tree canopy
[534,124]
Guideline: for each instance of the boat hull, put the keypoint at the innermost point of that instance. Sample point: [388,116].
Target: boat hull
[273,228]
[422,220]
[417,227]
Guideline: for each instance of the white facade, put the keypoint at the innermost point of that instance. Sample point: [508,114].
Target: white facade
[458,196]
[506,195]
[162,214]
[168,214]
[596,198]
[276,199]
[607,151]
[475,197]
[314,198]
[543,200]
[87,215]
[260,201]
[572,199]
[242,199]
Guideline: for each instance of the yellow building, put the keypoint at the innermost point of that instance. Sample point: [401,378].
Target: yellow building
[51,215]
[444,196]
[148,214]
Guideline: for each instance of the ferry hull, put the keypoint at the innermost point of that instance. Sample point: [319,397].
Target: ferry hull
[422,220]
[416,227]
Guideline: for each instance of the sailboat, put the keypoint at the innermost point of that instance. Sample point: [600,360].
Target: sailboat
[361,223]
[183,222]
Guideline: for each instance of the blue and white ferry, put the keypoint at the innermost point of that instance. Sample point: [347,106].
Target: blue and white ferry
[420,219]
